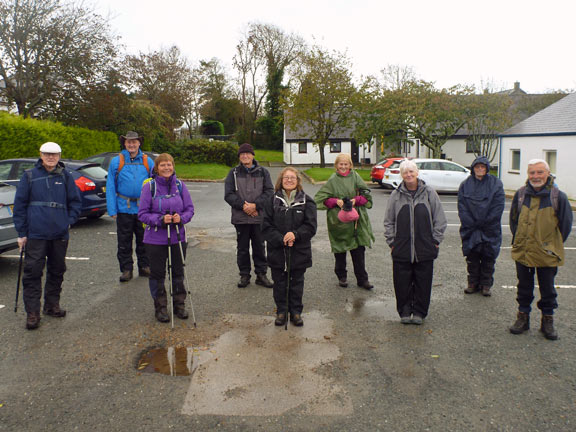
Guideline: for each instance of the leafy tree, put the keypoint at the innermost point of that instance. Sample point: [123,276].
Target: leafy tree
[49,49]
[323,102]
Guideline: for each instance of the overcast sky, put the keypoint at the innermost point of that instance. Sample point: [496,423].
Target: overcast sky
[446,41]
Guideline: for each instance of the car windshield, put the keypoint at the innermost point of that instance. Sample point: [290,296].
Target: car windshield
[95,172]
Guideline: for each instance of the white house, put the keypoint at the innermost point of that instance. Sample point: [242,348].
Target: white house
[549,134]
[300,150]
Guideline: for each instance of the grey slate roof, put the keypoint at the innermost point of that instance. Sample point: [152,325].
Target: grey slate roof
[556,119]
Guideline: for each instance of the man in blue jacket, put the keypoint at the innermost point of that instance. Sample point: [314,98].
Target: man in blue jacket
[47,202]
[480,206]
[126,173]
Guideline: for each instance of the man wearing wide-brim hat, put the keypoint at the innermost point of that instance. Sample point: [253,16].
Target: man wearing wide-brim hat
[126,173]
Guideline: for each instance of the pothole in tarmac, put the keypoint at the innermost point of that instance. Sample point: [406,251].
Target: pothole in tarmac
[173,361]
[362,307]
[259,369]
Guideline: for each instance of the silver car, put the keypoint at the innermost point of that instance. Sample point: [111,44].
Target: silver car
[440,174]
[8,234]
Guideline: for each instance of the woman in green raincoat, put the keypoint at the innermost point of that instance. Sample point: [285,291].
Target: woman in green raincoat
[346,184]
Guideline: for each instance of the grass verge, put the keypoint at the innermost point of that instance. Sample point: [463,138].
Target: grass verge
[323,174]
[269,155]
[202,171]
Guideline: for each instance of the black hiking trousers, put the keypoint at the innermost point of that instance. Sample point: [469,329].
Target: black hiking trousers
[127,227]
[413,287]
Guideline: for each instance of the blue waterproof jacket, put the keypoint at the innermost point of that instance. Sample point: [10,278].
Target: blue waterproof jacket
[480,208]
[123,188]
[47,205]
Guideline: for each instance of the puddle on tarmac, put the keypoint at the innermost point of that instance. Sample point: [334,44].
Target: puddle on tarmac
[173,361]
[360,307]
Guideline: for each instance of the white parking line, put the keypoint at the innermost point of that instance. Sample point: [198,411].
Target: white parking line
[557,286]
[68,258]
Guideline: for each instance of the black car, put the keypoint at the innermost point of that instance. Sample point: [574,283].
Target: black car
[89,177]
[104,159]
[8,234]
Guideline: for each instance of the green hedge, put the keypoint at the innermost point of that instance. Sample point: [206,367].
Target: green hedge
[20,137]
[202,150]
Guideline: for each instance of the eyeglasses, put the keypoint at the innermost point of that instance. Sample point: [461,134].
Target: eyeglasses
[290,178]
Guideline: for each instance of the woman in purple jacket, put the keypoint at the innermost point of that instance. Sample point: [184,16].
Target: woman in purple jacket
[164,204]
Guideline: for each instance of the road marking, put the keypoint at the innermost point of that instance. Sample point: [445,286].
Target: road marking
[2,306]
[557,286]
[68,258]
[566,248]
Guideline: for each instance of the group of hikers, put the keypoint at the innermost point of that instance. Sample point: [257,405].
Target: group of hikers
[275,224]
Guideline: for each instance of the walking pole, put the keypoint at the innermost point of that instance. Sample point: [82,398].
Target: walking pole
[19,277]
[170,277]
[185,273]
[287,251]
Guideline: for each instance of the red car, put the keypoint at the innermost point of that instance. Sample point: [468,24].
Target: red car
[379,169]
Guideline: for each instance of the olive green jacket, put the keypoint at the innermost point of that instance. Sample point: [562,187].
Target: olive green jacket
[346,236]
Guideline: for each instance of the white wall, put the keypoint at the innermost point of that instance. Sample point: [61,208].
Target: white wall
[312,156]
[455,150]
[534,148]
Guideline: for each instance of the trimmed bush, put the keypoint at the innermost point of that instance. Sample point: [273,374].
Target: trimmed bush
[212,127]
[202,150]
[20,137]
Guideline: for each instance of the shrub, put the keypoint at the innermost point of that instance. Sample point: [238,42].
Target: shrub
[20,137]
[212,127]
[201,150]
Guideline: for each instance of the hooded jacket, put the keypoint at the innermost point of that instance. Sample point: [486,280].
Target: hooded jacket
[251,185]
[480,208]
[123,193]
[414,225]
[168,199]
[45,208]
[298,217]
[538,231]
[346,236]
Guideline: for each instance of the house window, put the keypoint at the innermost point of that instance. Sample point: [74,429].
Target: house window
[472,147]
[550,157]
[335,147]
[515,160]
[302,147]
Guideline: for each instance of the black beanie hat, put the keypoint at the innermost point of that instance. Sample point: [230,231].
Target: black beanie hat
[245,148]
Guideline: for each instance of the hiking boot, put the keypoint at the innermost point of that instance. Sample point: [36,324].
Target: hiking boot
[472,288]
[180,311]
[486,291]
[262,279]
[417,319]
[280,319]
[144,272]
[160,311]
[366,285]
[296,319]
[126,276]
[522,323]
[32,320]
[244,281]
[54,311]
[406,320]
[547,327]
[343,282]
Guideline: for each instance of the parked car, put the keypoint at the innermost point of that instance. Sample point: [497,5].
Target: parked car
[89,177]
[8,234]
[105,158]
[378,170]
[440,174]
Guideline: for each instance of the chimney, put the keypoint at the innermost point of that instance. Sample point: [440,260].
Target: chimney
[517,86]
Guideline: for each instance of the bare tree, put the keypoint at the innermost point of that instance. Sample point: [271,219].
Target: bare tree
[395,77]
[49,48]
[251,76]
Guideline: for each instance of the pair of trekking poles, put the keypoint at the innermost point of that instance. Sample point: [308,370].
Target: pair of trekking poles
[185,274]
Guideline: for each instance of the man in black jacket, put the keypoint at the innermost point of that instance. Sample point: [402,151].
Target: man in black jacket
[247,188]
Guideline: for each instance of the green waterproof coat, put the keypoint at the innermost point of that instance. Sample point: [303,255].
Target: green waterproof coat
[346,236]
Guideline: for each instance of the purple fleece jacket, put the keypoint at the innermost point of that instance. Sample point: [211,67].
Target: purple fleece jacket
[167,200]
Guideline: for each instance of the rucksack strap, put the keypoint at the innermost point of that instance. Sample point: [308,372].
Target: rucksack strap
[122,162]
[554,194]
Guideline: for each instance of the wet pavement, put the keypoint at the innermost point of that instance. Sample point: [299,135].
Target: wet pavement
[352,367]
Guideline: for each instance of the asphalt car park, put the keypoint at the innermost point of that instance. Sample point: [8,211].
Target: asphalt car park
[352,367]
[90,178]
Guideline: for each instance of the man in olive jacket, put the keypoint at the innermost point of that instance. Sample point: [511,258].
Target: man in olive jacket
[540,220]
[247,188]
